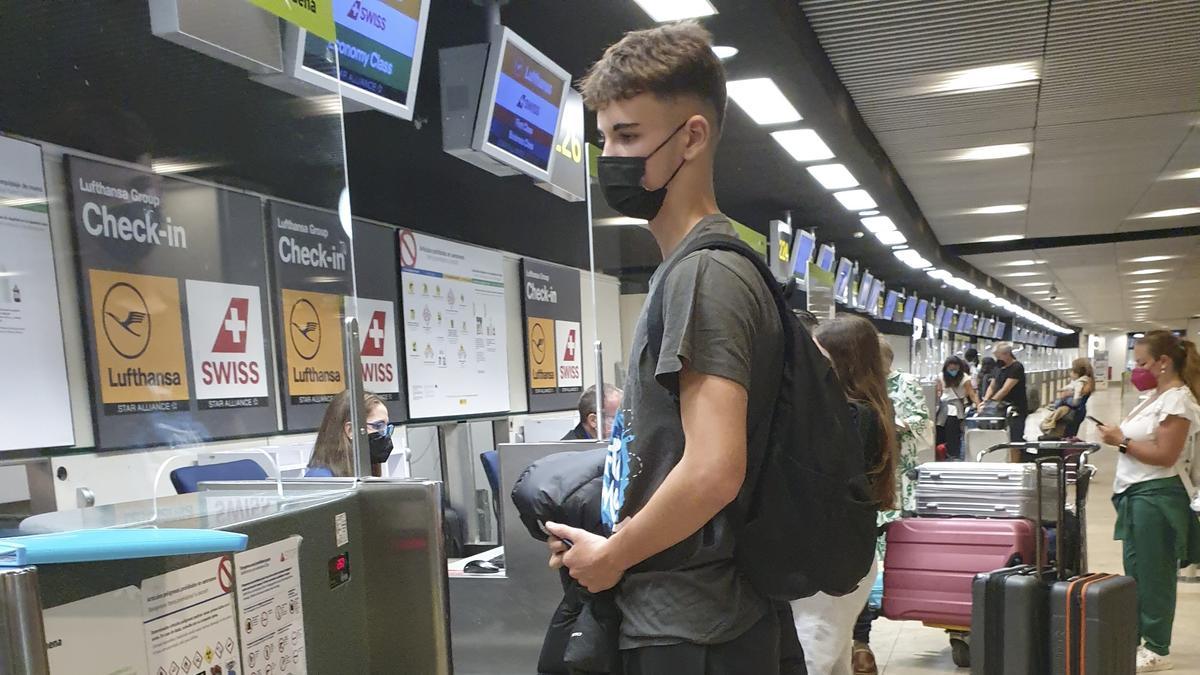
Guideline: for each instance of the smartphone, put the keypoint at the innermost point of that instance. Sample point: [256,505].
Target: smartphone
[1096,421]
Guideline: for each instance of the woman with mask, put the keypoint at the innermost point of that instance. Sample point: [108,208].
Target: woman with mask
[333,453]
[954,392]
[825,624]
[1156,525]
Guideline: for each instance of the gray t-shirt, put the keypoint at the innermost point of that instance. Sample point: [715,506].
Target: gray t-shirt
[720,318]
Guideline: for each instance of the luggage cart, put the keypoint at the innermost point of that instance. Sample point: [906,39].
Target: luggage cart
[1078,473]
[983,428]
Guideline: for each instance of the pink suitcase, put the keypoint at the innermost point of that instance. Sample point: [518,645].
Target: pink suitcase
[931,562]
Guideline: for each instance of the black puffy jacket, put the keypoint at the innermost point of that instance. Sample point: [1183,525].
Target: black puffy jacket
[565,488]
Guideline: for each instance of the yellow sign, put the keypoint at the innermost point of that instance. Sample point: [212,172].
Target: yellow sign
[785,250]
[314,16]
[139,338]
[542,360]
[313,343]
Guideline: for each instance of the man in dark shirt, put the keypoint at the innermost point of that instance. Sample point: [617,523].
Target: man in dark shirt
[676,464]
[1009,386]
[587,428]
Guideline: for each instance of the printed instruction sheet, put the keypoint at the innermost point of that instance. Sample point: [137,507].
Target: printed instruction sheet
[189,620]
[270,612]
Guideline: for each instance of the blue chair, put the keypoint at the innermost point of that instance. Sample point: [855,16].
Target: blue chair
[491,469]
[187,479]
[1075,419]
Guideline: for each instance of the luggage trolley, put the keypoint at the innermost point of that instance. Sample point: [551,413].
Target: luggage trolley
[974,518]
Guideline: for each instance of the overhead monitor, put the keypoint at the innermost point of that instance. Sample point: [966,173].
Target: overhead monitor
[937,317]
[865,283]
[873,298]
[960,326]
[910,309]
[947,319]
[825,257]
[889,305]
[377,55]
[803,244]
[986,327]
[841,281]
[521,106]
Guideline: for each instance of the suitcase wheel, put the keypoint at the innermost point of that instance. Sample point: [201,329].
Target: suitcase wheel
[960,651]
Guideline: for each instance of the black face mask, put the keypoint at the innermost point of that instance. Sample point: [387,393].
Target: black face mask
[621,182]
[380,446]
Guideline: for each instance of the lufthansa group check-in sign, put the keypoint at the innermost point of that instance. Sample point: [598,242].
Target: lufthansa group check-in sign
[312,259]
[553,340]
[172,274]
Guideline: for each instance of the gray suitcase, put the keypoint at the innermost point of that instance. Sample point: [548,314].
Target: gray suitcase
[984,490]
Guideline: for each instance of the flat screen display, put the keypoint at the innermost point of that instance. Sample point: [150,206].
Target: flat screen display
[377,55]
[922,312]
[873,299]
[864,290]
[825,257]
[937,317]
[961,325]
[889,305]
[841,281]
[910,309]
[524,106]
[947,319]
[802,252]
[1000,327]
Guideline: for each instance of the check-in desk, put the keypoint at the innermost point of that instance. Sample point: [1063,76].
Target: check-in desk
[388,616]
[499,620]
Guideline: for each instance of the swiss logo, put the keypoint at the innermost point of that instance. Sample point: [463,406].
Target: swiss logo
[232,333]
[569,349]
[376,335]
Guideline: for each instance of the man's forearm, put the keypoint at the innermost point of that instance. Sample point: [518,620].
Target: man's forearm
[688,498]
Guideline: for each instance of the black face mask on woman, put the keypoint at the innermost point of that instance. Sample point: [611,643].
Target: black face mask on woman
[380,447]
[621,183]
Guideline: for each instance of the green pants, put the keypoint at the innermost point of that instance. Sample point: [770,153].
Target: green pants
[1159,531]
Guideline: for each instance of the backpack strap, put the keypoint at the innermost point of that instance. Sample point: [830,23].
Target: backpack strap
[655,320]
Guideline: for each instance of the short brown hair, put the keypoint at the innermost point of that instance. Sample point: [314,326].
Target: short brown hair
[666,61]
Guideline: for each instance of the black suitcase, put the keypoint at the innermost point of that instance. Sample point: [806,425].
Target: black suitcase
[1093,625]
[1010,624]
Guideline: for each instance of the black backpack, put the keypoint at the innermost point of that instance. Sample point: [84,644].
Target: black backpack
[808,520]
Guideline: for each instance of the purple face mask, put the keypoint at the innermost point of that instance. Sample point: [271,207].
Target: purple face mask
[1143,379]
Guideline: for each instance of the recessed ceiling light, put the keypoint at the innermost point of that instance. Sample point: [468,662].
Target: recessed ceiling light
[1023,263]
[1149,271]
[1040,292]
[855,200]
[1023,274]
[725,51]
[876,224]
[993,152]
[762,100]
[1034,283]
[833,176]
[999,208]
[939,274]
[1169,213]
[804,145]
[1150,281]
[1182,175]
[912,258]
[985,78]
[1153,258]
[890,238]
[621,220]
[1003,237]
[674,10]
[871,212]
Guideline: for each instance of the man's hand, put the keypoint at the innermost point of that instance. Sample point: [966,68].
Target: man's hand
[588,559]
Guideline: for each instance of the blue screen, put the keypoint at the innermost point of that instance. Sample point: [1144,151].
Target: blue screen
[841,282]
[889,305]
[947,319]
[910,309]
[825,259]
[803,253]
[864,290]
[922,310]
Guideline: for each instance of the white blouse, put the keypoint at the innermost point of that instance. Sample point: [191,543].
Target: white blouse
[1142,424]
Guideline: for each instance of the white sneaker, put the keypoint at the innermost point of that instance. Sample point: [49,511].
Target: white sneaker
[1149,662]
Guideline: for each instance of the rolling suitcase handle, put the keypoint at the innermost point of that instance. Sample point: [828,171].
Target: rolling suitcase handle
[1060,570]
[1086,448]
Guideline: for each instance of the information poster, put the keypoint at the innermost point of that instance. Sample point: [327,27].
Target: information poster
[311,256]
[100,634]
[456,345]
[554,354]
[36,414]
[270,610]
[189,620]
[172,273]
[377,284]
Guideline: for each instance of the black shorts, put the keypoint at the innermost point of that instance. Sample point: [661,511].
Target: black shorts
[756,651]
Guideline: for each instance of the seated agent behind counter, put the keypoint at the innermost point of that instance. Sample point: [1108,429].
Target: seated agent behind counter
[333,453]
[676,464]
[586,429]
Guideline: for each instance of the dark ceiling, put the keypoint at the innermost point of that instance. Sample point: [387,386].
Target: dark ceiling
[91,76]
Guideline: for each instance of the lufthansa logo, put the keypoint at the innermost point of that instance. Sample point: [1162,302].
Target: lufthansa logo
[305,329]
[126,320]
[537,340]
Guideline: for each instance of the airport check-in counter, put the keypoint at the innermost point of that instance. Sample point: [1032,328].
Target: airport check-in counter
[386,612]
[499,620]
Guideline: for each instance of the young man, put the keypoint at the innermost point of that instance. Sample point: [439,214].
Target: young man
[1009,385]
[676,466]
[587,428]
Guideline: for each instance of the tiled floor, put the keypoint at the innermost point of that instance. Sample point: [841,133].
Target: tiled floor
[907,648]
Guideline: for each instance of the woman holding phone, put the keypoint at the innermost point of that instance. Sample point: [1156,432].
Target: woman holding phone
[1155,523]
